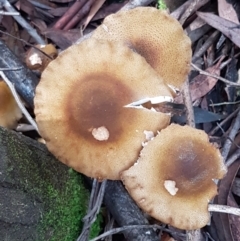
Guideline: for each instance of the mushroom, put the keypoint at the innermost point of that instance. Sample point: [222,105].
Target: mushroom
[81,112]
[9,110]
[156,36]
[37,60]
[173,180]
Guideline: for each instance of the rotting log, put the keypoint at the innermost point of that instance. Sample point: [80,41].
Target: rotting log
[40,198]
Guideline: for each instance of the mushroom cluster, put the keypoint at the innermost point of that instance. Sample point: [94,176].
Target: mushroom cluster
[87,103]
[89,110]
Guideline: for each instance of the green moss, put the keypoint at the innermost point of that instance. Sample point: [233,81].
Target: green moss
[161,5]
[58,188]
[67,210]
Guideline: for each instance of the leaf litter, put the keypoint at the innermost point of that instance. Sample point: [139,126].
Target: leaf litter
[63,22]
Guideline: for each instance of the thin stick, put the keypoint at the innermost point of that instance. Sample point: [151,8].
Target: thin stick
[10,69]
[228,143]
[135,3]
[9,13]
[215,76]
[223,209]
[194,235]
[212,132]
[95,202]
[24,127]
[119,230]
[177,13]
[19,102]
[212,38]
[193,7]
[27,43]
[233,158]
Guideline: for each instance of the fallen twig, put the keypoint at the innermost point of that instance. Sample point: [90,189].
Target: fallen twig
[120,230]
[9,13]
[213,131]
[95,202]
[215,76]
[228,143]
[192,7]
[135,3]
[223,209]
[235,156]
[205,46]
[19,102]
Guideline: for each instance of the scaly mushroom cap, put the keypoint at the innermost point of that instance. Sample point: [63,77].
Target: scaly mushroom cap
[173,178]
[9,110]
[79,107]
[155,35]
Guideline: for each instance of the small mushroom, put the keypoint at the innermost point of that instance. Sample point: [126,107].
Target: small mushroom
[173,178]
[80,107]
[37,60]
[155,35]
[9,110]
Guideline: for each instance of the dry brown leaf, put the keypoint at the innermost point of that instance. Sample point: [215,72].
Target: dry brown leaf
[62,38]
[28,8]
[228,28]
[227,11]
[94,8]
[109,9]
[202,84]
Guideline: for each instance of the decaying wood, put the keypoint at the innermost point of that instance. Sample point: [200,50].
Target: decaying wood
[126,212]
[26,170]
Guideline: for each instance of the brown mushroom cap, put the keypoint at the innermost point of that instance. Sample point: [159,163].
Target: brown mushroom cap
[173,178]
[79,107]
[155,35]
[9,110]
[36,60]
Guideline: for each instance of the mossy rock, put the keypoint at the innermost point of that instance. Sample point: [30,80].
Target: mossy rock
[40,198]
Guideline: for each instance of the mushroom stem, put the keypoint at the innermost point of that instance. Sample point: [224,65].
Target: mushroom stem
[223,209]
[188,103]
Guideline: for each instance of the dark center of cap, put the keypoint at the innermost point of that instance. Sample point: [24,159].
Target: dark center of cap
[97,101]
